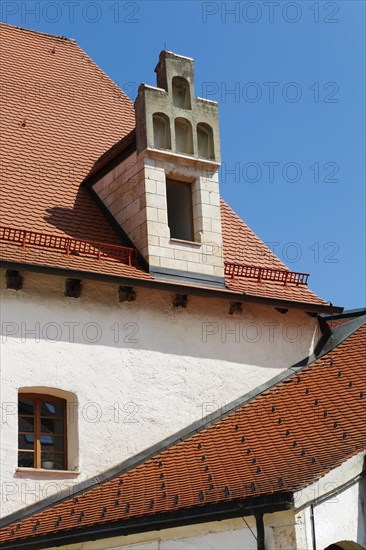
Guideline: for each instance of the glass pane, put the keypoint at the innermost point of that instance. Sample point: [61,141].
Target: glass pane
[26,460]
[50,461]
[51,443]
[50,426]
[48,408]
[26,424]
[26,441]
[26,406]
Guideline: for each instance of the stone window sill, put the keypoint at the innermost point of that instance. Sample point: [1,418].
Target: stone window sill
[47,473]
[189,243]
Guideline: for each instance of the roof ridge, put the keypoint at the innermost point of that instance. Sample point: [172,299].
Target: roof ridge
[181,435]
[84,53]
[47,34]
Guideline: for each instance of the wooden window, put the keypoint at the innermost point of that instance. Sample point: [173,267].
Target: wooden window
[42,432]
[179,203]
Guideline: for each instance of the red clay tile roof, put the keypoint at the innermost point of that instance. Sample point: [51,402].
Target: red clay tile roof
[278,442]
[242,245]
[60,114]
[337,323]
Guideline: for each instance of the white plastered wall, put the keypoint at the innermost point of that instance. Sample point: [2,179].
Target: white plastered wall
[339,507]
[139,371]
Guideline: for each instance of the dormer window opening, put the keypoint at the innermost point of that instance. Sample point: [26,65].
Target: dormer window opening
[179,204]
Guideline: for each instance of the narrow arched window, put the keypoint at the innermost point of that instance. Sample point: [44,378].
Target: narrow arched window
[42,431]
[183,136]
[161,125]
[181,94]
[205,141]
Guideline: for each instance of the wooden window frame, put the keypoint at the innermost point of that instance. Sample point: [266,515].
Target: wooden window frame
[38,398]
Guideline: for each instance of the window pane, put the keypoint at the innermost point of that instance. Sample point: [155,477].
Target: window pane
[52,461]
[26,424]
[26,460]
[26,406]
[26,441]
[51,443]
[51,426]
[49,408]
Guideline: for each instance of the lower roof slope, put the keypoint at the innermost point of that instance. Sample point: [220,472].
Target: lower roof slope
[278,442]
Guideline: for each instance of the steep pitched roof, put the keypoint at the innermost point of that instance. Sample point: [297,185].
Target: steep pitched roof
[60,114]
[274,443]
[242,245]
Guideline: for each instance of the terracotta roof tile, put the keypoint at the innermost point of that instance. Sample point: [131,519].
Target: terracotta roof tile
[62,119]
[242,245]
[280,441]
[59,113]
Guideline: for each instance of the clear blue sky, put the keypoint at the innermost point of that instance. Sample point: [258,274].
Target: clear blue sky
[293,128]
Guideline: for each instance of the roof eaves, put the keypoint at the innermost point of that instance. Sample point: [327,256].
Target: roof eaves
[212,512]
[191,289]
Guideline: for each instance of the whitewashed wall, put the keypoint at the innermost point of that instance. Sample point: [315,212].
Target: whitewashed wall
[339,507]
[139,371]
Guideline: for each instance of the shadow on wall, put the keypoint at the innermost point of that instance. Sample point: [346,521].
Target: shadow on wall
[361,527]
[262,337]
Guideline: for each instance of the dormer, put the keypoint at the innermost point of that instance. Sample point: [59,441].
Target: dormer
[165,194]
